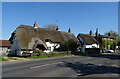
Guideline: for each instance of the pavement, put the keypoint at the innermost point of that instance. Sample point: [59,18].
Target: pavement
[106,65]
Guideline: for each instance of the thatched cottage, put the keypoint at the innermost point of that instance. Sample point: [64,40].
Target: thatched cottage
[29,38]
[87,41]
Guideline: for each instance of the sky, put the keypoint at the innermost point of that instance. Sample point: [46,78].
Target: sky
[81,17]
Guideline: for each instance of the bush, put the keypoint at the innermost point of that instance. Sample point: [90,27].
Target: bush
[78,53]
[10,53]
[37,52]
[26,54]
[54,52]
[70,45]
[92,51]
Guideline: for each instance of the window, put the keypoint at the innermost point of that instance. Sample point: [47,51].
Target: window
[15,38]
[47,40]
[49,48]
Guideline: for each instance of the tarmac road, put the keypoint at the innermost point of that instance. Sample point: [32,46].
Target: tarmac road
[106,65]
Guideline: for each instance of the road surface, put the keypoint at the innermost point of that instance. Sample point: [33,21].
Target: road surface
[69,66]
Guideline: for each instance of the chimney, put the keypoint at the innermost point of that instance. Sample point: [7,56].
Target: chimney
[35,25]
[96,34]
[69,30]
[109,34]
[57,28]
[91,33]
[99,34]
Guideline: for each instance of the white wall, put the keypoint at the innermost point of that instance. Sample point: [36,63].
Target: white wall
[51,46]
[92,46]
[26,51]
[3,51]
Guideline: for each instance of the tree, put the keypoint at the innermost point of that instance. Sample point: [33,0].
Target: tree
[51,26]
[106,43]
[70,45]
[114,43]
[112,34]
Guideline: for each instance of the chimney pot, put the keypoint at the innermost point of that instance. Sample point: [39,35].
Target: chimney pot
[91,33]
[35,25]
[69,30]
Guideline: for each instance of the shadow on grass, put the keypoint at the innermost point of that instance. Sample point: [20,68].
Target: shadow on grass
[88,69]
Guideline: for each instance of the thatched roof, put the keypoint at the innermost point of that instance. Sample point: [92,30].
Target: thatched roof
[26,34]
[88,38]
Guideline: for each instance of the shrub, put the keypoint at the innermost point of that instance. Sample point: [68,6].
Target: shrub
[70,45]
[37,52]
[26,54]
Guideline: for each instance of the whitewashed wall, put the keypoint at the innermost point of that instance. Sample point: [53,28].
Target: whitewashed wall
[51,46]
[4,50]
[92,46]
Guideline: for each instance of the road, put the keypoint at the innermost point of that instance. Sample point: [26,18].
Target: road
[70,66]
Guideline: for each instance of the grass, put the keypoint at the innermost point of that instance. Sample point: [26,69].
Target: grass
[33,57]
[12,58]
[3,59]
[48,56]
[7,59]
[55,55]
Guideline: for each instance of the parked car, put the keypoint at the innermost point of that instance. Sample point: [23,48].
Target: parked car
[109,51]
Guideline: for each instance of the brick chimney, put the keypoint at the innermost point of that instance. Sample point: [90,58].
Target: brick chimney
[35,25]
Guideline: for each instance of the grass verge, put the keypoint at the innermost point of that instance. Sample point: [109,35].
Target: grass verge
[48,56]
[11,58]
[3,59]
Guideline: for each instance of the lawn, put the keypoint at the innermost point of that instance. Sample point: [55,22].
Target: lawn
[48,56]
[12,58]
[7,58]
[3,59]
[33,57]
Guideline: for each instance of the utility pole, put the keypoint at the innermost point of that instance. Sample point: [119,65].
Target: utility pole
[96,36]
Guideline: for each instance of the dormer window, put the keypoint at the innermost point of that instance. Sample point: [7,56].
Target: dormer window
[15,38]
[47,40]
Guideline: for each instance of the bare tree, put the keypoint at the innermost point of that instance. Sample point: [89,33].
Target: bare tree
[112,34]
[51,26]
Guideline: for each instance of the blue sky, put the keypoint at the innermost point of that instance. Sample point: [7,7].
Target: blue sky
[81,17]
